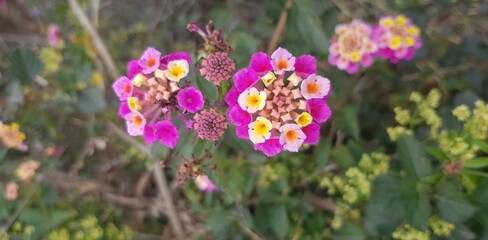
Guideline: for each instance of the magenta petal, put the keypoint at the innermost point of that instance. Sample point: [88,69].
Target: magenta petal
[123,109]
[245,78]
[270,147]
[305,65]
[167,133]
[232,96]
[319,110]
[367,60]
[313,133]
[352,68]
[149,135]
[172,57]
[190,99]
[239,117]
[242,132]
[260,63]
[133,68]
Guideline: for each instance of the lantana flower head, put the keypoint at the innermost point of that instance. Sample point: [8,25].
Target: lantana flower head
[152,93]
[352,47]
[397,38]
[12,137]
[279,101]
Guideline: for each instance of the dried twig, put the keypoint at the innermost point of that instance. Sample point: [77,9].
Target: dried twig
[160,179]
[97,41]
[279,27]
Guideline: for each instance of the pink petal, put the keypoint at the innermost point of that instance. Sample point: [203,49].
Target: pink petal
[313,133]
[190,99]
[367,60]
[242,132]
[149,135]
[232,96]
[167,133]
[352,68]
[319,110]
[245,78]
[133,68]
[305,65]
[174,56]
[239,117]
[270,147]
[123,109]
[123,88]
[260,63]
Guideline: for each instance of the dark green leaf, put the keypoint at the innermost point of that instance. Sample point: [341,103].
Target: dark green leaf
[348,121]
[321,152]
[311,29]
[342,157]
[24,64]
[349,231]
[91,100]
[480,195]
[278,220]
[452,204]
[480,162]
[432,179]
[437,153]
[413,158]
[209,90]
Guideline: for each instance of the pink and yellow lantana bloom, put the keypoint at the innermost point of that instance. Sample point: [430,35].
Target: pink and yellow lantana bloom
[278,102]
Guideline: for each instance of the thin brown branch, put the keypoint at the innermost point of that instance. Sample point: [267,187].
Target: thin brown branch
[97,41]
[279,27]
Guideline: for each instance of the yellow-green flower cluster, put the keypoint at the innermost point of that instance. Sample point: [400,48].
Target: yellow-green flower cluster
[477,125]
[456,147]
[18,229]
[402,116]
[89,228]
[51,58]
[439,227]
[461,112]
[396,132]
[355,186]
[407,232]
[267,175]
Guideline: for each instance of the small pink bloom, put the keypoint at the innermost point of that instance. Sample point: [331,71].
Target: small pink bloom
[173,57]
[136,123]
[270,147]
[123,109]
[217,67]
[312,131]
[232,96]
[260,63]
[205,184]
[315,87]
[242,132]
[53,35]
[319,110]
[239,117]
[210,125]
[190,99]
[305,66]
[166,133]
[123,88]
[282,61]
[149,61]
[244,79]
[10,192]
[133,68]
[292,137]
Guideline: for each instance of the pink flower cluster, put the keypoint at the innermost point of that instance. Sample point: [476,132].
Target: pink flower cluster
[150,94]
[356,44]
[278,102]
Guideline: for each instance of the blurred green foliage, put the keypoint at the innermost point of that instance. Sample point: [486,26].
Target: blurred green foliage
[94,184]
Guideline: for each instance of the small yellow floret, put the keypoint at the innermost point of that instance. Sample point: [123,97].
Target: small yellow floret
[304,119]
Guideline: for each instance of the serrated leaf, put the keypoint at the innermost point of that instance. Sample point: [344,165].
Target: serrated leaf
[412,156]
[476,163]
[91,100]
[24,64]
[321,153]
[311,30]
[348,121]
[452,204]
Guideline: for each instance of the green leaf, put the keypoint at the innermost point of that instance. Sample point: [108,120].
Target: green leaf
[245,45]
[437,153]
[413,158]
[476,163]
[349,231]
[218,223]
[481,144]
[209,90]
[91,100]
[24,64]
[321,152]
[432,179]
[480,195]
[311,30]
[348,121]
[278,220]
[385,210]
[452,204]
[342,157]
[416,204]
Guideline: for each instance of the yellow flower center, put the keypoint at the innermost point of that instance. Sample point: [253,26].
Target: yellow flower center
[304,119]
[176,71]
[261,128]
[134,104]
[253,101]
